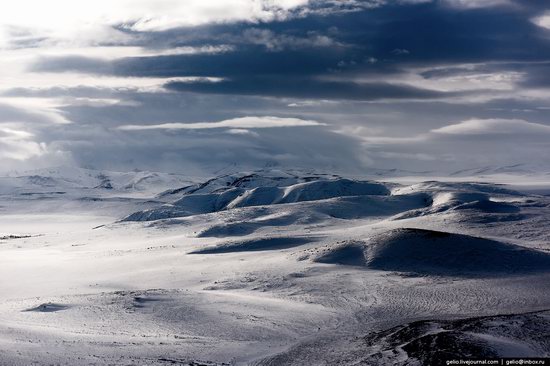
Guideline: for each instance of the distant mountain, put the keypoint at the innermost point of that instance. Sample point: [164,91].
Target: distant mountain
[514,169]
[63,179]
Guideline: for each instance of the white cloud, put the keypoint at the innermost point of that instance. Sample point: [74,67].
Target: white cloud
[43,109]
[493,127]
[278,42]
[542,21]
[400,51]
[474,4]
[312,103]
[468,79]
[186,50]
[242,131]
[54,49]
[18,144]
[235,123]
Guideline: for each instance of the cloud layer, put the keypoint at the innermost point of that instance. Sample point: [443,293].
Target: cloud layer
[347,85]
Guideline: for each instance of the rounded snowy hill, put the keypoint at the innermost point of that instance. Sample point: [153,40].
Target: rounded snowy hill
[429,252]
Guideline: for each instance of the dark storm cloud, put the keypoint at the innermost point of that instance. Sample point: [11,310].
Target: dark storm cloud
[288,58]
[309,88]
[80,64]
[247,62]
[434,33]
[536,76]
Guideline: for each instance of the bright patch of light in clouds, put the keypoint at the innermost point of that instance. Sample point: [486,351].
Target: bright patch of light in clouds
[46,108]
[18,145]
[542,21]
[60,18]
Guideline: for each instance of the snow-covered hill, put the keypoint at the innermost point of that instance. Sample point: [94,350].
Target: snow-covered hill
[428,252]
[279,191]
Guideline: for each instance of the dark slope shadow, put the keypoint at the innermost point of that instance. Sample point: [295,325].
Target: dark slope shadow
[48,308]
[497,211]
[230,229]
[489,207]
[143,300]
[349,254]
[255,245]
[244,227]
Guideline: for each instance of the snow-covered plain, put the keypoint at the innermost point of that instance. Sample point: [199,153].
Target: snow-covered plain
[269,268]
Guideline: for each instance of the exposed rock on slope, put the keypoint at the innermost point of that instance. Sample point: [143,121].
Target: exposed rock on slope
[433,342]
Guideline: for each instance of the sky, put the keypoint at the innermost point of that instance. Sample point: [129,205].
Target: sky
[205,85]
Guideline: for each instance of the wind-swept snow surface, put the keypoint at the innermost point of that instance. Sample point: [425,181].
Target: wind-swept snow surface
[268,268]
